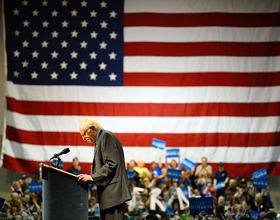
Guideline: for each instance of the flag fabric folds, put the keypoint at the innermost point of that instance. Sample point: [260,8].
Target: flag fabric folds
[201,75]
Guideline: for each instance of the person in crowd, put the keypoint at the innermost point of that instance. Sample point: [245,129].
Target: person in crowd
[35,208]
[16,187]
[165,199]
[246,193]
[233,203]
[131,173]
[26,204]
[75,168]
[221,175]
[209,191]
[188,179]
[141,169]
[262,201]
[162,176]
[220,211]
[24,181]
[221,200]
[166,186]
[240,211]
[232,190]
[15,200]
[203,174]
[196,193]
[156,167]
[93,207]
[174,185]
[173,164]
[108,169]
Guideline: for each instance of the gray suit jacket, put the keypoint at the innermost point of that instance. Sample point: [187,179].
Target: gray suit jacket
[109,171]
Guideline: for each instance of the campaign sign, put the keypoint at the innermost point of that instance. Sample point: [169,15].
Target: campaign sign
[220,185]
[35,187]
[260,183]
[2,201]
[60,165]
[186,192]
[158,144]
[172,153]
[256,214]
[170,210]
[198,205]
[174,174]
[187,164]
[260,174]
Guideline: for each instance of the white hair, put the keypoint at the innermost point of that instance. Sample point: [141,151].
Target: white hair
[90,122]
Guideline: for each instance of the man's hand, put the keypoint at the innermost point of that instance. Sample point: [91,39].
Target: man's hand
[85,178]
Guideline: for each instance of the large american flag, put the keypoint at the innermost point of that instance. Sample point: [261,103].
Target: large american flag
[201,75]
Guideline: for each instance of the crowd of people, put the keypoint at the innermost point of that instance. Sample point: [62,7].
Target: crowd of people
[235,198]
[22,203]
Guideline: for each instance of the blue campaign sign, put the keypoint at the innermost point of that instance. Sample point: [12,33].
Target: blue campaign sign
[188,164]
[174,174]
[198,205]
[260,183]
[256,214]
[60,165]
[2,201]
[158,144]
[220,185]
[170,210]
[35,187]
[260,174]
[172,153]
[186,192]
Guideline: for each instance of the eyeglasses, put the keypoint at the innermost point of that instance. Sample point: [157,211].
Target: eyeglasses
[85,132]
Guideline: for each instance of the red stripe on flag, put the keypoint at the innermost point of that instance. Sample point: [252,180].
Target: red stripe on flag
[203,79]
[144,109]
[31,166]
[45,138]
[202,19]
[202,49]
[145,140]
[234,169]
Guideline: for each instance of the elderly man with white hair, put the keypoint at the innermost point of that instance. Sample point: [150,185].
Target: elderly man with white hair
[108,169]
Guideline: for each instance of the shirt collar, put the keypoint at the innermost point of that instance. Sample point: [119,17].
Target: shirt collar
[97,136]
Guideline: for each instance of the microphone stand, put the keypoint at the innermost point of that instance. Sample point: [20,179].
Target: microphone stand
[58,161]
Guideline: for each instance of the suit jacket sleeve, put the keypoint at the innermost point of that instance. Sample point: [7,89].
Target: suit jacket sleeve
[107,160]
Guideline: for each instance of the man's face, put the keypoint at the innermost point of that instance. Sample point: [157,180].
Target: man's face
[89,135]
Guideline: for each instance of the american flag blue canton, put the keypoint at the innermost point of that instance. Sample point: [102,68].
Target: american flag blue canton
[65,42]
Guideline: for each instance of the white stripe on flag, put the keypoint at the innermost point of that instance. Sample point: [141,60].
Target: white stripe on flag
[148,154]
[200,34]
[149,124]
[195,6]
[143,94]
[201,64]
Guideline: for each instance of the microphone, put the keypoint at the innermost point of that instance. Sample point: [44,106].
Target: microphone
[64,151]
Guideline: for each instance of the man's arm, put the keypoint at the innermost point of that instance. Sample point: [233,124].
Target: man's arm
[110,156]
[159,159]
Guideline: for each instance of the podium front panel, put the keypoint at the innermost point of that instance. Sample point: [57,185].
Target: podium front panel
[63,196]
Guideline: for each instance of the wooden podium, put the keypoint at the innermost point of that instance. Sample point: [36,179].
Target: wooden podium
[63,196]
